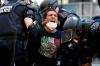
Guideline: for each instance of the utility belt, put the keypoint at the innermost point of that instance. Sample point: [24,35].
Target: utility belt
[7,37]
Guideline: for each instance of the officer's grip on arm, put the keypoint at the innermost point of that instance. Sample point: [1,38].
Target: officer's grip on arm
[32,26]
[30,20]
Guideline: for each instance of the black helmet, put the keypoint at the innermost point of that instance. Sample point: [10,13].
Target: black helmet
[48,4]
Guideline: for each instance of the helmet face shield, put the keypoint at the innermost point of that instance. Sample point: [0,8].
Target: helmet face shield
[71,22]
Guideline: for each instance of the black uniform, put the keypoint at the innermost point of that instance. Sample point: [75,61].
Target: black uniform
[21,11]
[69,52]
[89,41]
[94,37]
[16,15]
[7,35]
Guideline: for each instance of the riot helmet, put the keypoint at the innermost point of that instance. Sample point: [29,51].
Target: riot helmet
[45,4]
[71,22]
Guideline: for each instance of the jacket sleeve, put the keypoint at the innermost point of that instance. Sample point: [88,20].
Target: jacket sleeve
[34,29]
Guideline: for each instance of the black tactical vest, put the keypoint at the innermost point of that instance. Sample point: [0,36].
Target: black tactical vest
[7,23]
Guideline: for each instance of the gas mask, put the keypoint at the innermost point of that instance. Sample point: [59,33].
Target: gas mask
[51,25]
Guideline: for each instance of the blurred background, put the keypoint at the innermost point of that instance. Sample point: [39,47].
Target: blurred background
[84,8]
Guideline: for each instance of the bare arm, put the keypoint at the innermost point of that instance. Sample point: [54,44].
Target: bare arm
[28,21]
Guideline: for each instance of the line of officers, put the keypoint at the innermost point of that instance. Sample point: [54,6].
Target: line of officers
[46,35]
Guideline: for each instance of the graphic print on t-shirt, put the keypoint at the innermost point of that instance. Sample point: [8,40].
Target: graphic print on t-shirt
[49,46]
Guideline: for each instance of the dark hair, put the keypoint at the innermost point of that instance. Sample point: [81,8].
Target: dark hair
[46,11]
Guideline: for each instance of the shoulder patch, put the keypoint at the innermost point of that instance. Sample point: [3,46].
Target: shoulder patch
[6,9]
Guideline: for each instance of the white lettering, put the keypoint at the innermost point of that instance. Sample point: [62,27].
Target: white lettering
[5,9]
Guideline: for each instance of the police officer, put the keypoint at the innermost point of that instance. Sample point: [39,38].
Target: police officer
[93,41]
[16,12]
[95,29]
[22,11]
[7,34]
[69,53]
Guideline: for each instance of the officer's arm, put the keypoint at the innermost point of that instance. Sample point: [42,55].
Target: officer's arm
[90,25]
[31,23]
[94,29]
[28,21]
[32,26]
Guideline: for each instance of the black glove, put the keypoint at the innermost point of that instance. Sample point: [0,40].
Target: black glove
[34,29]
